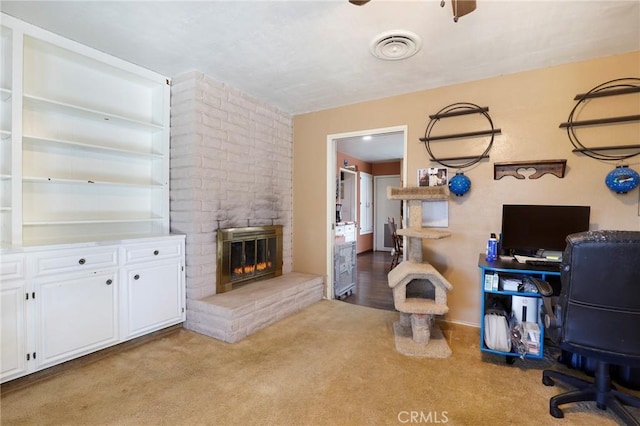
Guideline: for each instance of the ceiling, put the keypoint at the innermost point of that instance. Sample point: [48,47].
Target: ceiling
[302,56]
[376,148]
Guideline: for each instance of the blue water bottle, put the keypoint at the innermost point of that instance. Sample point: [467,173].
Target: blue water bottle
[492,248]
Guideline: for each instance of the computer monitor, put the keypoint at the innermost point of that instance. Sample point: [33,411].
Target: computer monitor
[533,229]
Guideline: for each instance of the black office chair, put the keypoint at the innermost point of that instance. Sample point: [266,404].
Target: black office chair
[597,315]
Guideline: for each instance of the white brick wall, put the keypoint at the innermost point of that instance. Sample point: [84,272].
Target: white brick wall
[231,164]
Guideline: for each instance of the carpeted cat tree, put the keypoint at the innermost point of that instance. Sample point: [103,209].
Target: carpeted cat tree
[419,290]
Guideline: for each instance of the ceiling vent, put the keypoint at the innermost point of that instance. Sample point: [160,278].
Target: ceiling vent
[395,45]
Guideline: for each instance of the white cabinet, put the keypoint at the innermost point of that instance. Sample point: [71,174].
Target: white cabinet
[345,232]
[153,295]
[13,306]
[76,314]
[93,140]
[64,301]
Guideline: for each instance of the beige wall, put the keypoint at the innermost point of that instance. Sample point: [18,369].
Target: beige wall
[528,107]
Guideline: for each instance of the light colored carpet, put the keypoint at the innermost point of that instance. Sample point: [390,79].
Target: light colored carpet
[330,364]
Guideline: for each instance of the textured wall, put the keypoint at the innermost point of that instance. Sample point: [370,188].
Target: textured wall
[231,165]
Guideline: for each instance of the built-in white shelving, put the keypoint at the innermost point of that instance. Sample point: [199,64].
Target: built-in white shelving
[6,126]
[93,141]
[87,259]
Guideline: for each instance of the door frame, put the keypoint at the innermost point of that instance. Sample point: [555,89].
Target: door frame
[330,214]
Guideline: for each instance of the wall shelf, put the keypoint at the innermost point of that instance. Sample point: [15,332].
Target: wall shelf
[542,167]
[462,135]
[456,110]
[617,87]
[608,92]
[598,121]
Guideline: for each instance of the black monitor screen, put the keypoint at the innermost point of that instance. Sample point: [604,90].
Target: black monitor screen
[528,228]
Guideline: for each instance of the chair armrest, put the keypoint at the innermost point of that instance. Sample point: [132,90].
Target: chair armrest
[548,314]
[544,288]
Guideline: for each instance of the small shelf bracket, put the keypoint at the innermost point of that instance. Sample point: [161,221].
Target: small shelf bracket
[542,167]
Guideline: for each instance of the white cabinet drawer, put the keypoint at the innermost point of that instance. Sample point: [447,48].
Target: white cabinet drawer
[76,260]
[153,251]
[350,233]
[12,266]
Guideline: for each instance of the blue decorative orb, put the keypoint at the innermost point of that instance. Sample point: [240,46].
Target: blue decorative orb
[459,184]
[622,179]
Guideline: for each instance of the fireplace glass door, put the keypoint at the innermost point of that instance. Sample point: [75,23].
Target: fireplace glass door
[252,258]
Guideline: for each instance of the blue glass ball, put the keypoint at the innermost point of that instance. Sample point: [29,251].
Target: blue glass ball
[459,184]
[622,179]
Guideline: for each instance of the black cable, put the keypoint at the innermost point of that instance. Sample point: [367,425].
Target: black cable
[446,110]
[573,137]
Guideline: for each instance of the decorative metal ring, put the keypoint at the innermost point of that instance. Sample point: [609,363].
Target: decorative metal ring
[450,108]
[612,84]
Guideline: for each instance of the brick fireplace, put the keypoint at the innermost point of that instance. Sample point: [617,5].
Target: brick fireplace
[231,166]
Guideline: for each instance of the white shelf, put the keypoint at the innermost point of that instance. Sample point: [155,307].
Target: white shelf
[47,180]
[92,114]
[5,94]
[89,146]
[91,221]
[5,135]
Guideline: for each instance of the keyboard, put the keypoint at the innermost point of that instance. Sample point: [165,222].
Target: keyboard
[554,264]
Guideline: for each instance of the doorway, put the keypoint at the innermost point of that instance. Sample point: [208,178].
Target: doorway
[377,146]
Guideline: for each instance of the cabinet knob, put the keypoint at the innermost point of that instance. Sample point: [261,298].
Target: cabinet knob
[82,261]
[156,252]
[136,277]
[109,281]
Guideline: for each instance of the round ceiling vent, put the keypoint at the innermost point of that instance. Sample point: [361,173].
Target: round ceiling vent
[395,45]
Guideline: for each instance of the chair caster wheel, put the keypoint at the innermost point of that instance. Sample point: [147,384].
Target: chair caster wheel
[556,412]
[547,381]
[510,359]
[602,406]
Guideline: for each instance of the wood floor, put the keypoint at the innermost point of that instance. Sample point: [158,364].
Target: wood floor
[372,287]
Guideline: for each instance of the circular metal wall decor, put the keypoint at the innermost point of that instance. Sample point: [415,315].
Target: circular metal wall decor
[622,179]
[615,87]
[453,110]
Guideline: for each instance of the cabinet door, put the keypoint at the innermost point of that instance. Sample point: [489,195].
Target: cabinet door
[75,315]
[154,297]
[13,348]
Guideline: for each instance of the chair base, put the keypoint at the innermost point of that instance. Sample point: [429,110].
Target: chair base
[601,391]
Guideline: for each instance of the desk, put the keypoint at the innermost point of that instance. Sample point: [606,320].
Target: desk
[516,270]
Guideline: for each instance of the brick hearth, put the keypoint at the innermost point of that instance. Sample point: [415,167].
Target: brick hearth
[234,315]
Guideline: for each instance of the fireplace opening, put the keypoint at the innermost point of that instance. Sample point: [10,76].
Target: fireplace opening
[247,255]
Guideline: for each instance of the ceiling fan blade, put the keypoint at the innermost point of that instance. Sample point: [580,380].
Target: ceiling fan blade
[358,2]
[462,7]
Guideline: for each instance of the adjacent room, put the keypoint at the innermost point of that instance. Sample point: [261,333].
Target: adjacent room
[320,212]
